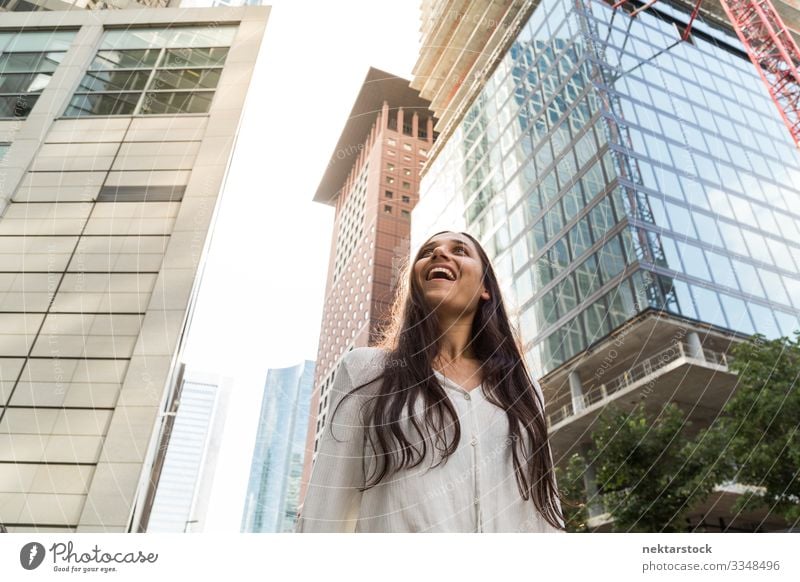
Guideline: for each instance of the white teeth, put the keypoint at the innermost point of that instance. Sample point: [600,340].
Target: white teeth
[448,272]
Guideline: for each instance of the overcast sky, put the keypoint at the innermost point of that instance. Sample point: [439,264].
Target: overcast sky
[260,304]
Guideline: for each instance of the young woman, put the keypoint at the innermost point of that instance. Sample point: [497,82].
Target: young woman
[441,428]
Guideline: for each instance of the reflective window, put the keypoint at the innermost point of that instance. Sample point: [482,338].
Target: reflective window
[27,63]
[154,71]
[708,306]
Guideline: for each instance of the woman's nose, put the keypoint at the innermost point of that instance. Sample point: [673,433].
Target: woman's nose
[437,250]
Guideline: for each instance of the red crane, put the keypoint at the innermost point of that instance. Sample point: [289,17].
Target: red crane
[771,49]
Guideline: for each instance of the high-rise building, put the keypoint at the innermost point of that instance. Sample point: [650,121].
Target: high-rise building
[50,5]
[116,129]
[56,5]
[183,474]
[273,492]
[372,180]
[636,194]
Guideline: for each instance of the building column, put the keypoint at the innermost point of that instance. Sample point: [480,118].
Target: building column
[385,115]
[576,390]
[430,130]
[695,347]
[400,120]
[415,125]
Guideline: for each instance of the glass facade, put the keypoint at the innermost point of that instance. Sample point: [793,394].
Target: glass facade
[273,492]
[27,63]
[604,182]
[154,71]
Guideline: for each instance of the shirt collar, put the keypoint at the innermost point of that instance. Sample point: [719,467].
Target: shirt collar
[448,383]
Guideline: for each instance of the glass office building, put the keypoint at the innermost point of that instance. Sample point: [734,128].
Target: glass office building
[607,176]
[273,492]
[184,481]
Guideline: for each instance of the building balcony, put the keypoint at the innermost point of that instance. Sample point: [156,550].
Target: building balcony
[657,360]
[641,374]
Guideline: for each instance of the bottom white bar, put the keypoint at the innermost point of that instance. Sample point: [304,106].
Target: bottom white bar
[390,557]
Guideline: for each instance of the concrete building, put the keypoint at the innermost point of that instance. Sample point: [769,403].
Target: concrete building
[116,132]
[639,209]
[54,5]
[58,5]
[182,478]
[372,180]
[273,492]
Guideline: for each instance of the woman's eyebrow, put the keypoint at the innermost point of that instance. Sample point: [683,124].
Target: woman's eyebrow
[456,241]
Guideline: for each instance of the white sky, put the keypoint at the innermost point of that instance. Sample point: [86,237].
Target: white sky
[260,304]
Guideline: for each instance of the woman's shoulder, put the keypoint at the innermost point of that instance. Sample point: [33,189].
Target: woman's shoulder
[364,356]
[364,364]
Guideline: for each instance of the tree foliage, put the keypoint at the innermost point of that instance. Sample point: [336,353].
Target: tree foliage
[649,472]
[572,488]
[759,425]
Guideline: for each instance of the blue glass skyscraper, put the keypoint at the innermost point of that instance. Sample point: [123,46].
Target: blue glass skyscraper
[635,194]
[274,487]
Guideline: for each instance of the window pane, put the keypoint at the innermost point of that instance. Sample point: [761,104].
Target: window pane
[30,62]
[17,105]
[596,321]
[23,82]
[764,320]
[542,275]
[736,310]
[788,323]
[566,295]
[721,269]
[588,277]
[188,36]
[186,79]
[114,81]
[523,286]
[612,260]
[602,218]
[196,57]
[202,36]
[134,59]
[573,339]
[198,102]
[693,261]
[748,278]
[684,297]
[620,304]
[708,306]
[113,104]
[579,238]
[40,41]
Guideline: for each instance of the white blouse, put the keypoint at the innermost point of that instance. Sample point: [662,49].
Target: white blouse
[475,490]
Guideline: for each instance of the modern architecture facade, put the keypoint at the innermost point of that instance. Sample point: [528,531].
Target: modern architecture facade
[636,195]
[182,479]
[372,180]
[116,129]
[58,5]
[273,492]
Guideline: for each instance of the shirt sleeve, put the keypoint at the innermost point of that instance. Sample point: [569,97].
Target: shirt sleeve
[332,500]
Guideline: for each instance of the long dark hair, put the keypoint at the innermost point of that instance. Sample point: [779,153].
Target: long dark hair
[412,341]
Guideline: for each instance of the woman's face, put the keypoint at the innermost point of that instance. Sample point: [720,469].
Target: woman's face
[450,274]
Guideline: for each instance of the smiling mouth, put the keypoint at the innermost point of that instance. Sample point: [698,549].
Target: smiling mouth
[441,274]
